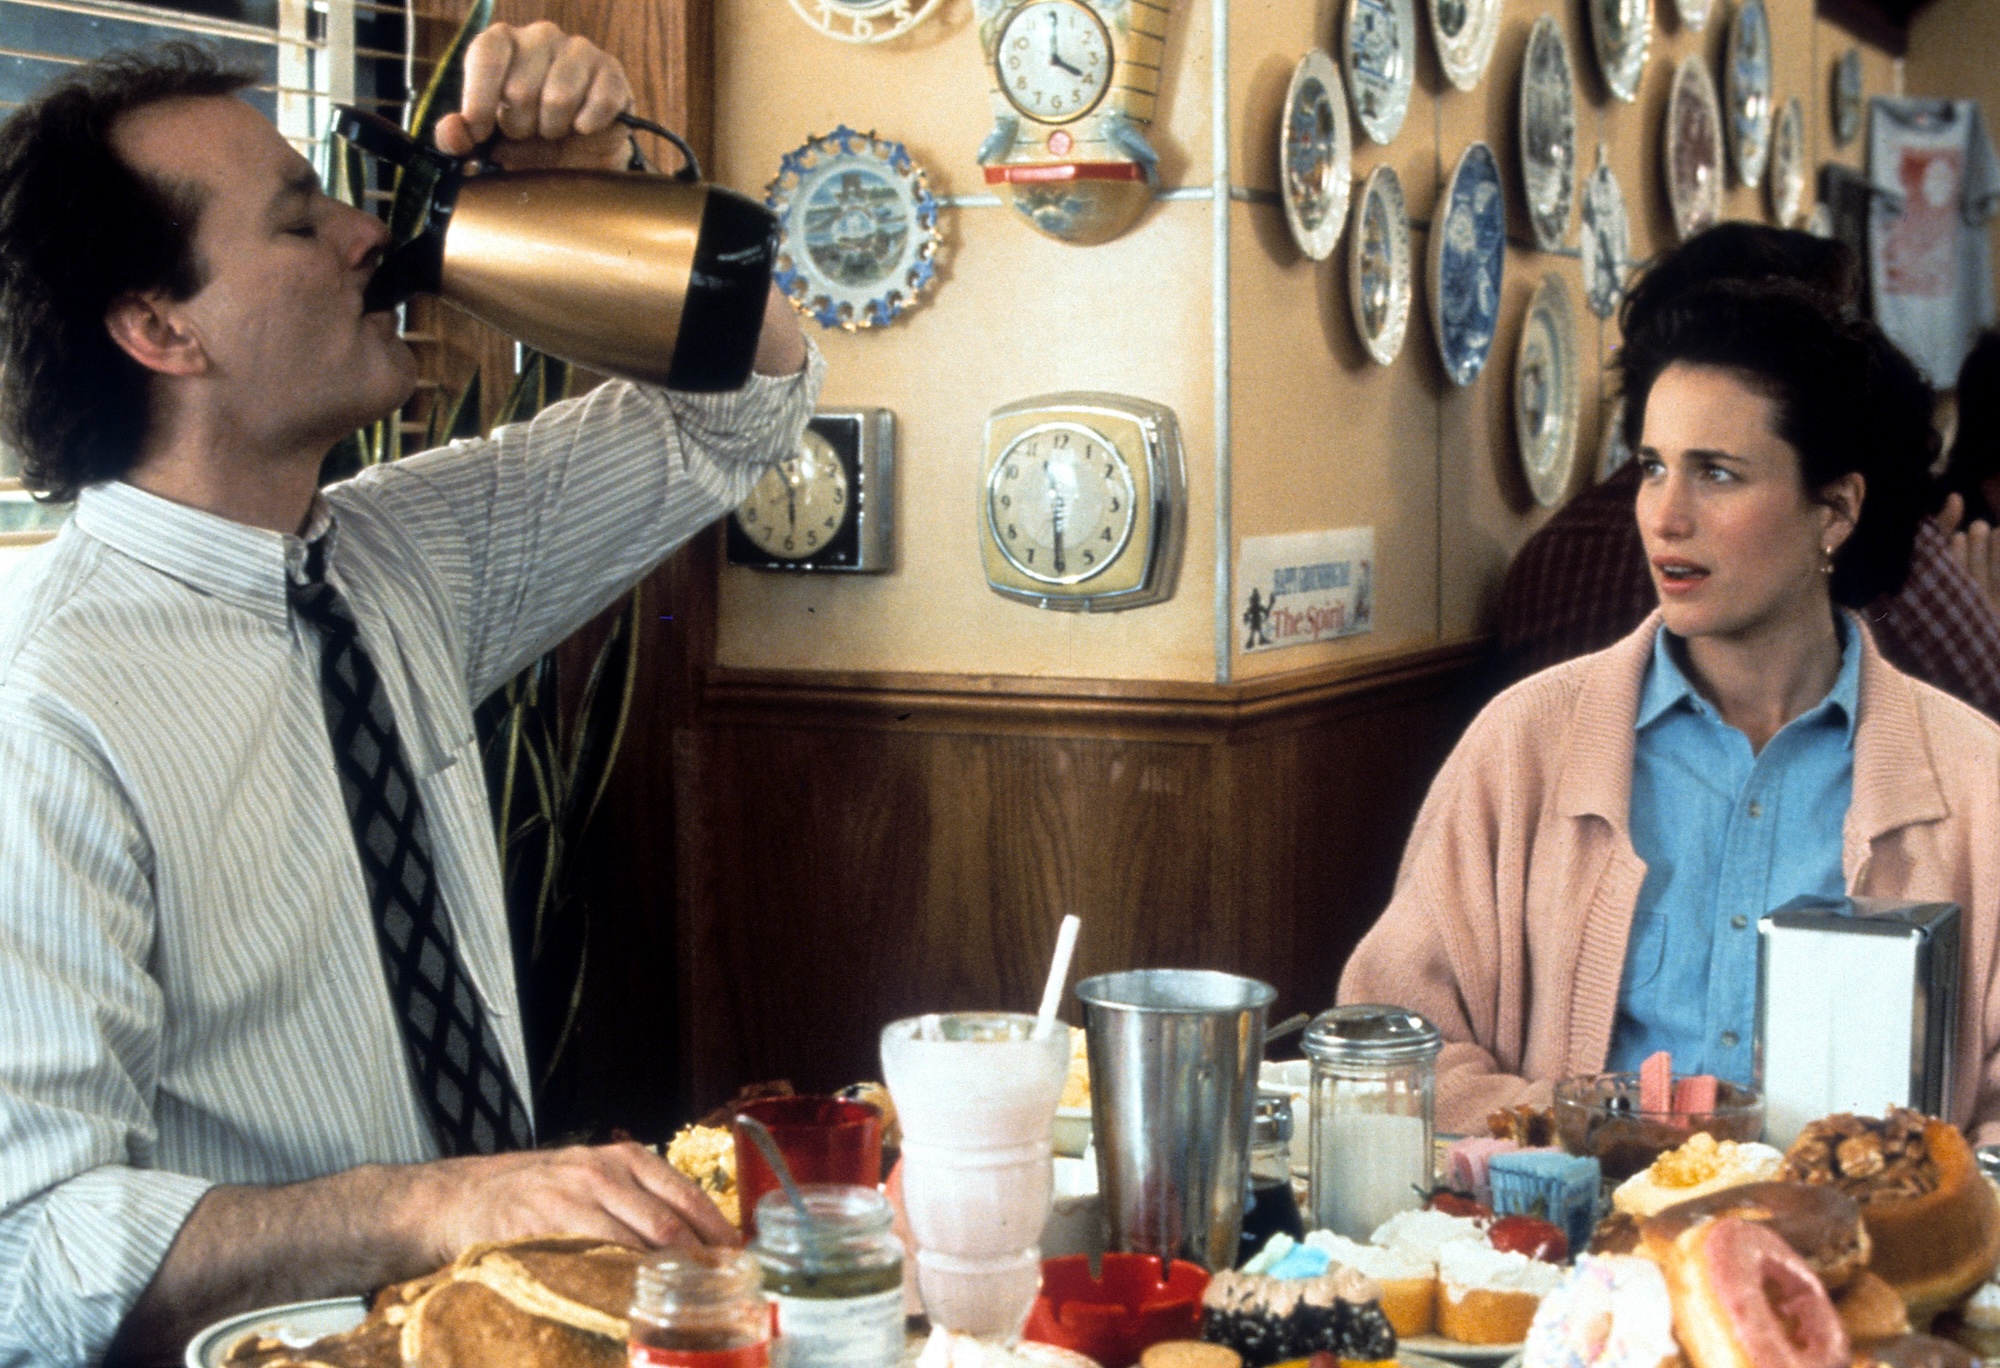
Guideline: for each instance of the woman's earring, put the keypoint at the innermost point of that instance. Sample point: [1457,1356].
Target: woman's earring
[1826,560]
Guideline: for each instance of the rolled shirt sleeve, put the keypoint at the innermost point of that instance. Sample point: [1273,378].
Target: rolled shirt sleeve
[85,1220]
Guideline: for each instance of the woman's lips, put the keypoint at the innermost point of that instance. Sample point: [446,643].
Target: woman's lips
[1677,576]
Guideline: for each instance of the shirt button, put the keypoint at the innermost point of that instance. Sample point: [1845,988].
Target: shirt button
[1739,921]
[1756,808]
[1729,1039]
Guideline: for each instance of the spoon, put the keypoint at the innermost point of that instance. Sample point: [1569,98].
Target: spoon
[767,1145]
[1296,1021]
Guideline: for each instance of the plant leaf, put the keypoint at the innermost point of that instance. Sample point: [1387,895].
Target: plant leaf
[600,721]
[442,94]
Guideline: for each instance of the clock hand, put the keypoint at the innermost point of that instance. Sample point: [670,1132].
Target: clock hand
[1055,58]
[1062,564]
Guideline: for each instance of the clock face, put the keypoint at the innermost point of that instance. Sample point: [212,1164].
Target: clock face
[1053,60]
[1060,503]
[801,503]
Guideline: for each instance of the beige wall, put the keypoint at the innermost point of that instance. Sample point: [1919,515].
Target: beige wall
[1955,51]
[1318,436]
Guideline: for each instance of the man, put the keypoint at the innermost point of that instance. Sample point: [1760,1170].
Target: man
[258,1036]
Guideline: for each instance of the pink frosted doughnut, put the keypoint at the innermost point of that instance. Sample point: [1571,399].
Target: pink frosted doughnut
[1744,1299]
[1610,1312]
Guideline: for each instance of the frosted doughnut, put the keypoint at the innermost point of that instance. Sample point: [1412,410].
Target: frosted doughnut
[1611,1312]
[1744,1299]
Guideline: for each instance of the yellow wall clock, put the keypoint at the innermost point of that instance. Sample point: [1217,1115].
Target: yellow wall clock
[1074,85]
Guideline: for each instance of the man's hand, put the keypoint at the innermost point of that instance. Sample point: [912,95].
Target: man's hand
[1977,549]
[552,96]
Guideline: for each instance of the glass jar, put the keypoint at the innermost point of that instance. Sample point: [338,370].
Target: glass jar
[1271,1206]
[836,1282]
[1374,1091]
[700,1308]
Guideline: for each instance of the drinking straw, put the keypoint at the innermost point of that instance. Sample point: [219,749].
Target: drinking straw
[1045,1019]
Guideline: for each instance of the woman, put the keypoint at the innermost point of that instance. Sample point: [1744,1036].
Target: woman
[1584,882]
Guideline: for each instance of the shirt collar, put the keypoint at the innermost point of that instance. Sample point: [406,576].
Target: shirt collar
[1667,686]
[231,561]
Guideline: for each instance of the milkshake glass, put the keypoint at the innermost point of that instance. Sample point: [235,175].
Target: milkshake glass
[976,1094]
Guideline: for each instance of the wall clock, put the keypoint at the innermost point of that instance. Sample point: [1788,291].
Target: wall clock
[1315,156]
[1379,266]
[864,21]
[1379,53]
[1548,134]
[858,229]
[1746,85]
[1074,85]
[1083,502]
[827,506]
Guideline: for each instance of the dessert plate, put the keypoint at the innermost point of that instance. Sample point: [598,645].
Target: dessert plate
[1545,392]
[1548,134]
[1315,156]
[1622,31]
[1606,239]
[1788,165]
[1694,148]
[1379,53]
[1468,260]
[1465,31]
[1746,84]
[298,1324]
[1379,269]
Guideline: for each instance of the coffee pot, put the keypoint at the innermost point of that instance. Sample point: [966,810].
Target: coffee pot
[661,279]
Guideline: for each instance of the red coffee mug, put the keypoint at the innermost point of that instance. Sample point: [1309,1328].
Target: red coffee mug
[823,1140]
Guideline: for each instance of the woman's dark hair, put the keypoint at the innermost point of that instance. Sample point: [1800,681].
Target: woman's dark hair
[1847,401]
[1975,450]
[78,229]
[1743,251]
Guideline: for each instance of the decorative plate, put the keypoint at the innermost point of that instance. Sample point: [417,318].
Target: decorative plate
[1315,166]
[1746,85]
[1847,97]
[297,1325]
[1788,164]
[1548,134]
[1622,32]
[1694,13]
[1611,449]
[858,229]
[1379,53]
[1379,267]
[1606,240]
[1467,263]
[1465,30]
[864,21]
[1694,148]
[1545,392]
[1820,221]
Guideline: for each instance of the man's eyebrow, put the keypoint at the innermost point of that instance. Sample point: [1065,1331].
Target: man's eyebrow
[302,185]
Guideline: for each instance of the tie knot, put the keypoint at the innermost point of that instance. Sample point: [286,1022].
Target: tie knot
[316,600]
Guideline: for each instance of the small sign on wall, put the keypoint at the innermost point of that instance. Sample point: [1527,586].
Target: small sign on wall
[1304,587]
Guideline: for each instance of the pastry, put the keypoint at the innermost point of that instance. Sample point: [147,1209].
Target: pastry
[1911,1351]
[1870,1309]
[1608,1313]
[1487,1296]
[1467,1161]
[1932,1218]
[707,1156]
[1189,1354]
[1408,1282]
[1821,1224]
[1743,1299]
[1268,1320]
[1528,1127]
[1617,1233]
[1559,1188]
[1700,1166]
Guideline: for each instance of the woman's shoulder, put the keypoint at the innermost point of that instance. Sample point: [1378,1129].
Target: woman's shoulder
[1585,703]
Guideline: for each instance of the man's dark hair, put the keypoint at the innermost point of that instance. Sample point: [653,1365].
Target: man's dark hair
[1846,400]
[1743,251]
[78,229]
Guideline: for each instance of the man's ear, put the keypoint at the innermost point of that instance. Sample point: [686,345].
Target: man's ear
[151,330]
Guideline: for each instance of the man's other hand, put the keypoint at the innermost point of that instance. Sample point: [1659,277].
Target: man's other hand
[553,97]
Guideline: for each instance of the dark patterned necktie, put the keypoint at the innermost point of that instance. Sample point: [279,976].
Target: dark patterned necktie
[460,1071]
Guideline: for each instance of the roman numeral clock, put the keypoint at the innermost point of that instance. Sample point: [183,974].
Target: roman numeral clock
[1074,85]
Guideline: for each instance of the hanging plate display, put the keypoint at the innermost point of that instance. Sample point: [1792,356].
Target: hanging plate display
[1379,52]
[1465,30]
[1788,164]
[1548,134]
[1622,31]
[1847,97]
[857,229]
[1694,148]
[1545,392]
[1315,165]
[1611,449]
[1606,239]
[864,21]
[1379,267]
[1467,262]
[1694,13]
[1746,86]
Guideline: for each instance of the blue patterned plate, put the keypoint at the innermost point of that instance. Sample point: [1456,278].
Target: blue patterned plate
[1379,54]
[858,229]
[1746,85]
[1315,167]
[1468,260]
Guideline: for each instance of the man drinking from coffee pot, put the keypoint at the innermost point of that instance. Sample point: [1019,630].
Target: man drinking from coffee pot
[258,1033]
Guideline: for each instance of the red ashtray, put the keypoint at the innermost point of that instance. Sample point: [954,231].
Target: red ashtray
[1137,1301]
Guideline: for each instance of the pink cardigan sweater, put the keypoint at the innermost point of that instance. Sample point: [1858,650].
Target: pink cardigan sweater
[1516,891]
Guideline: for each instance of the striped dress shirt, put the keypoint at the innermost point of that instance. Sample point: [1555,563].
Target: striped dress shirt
[190,988]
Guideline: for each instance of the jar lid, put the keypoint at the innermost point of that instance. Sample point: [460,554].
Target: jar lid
[1271,1121]
[1371,1033]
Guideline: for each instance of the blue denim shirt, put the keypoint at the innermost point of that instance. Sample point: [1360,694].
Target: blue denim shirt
[1726,837]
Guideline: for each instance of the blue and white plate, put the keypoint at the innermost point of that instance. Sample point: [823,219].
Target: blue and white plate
[1465,31]
[858,229]
[1545,392]
[1622,32]
[1746,85]
[1606,239]
[1468,260]
[1379,53]
[1315,156]
[1847,97]
[1379,266]
[1693,163]
[1548,134]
